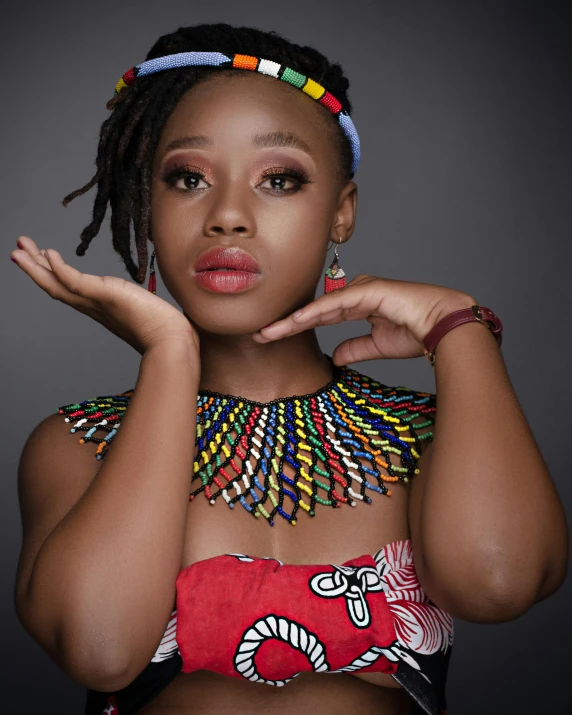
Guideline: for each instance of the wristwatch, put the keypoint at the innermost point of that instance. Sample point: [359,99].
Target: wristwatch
[476,313]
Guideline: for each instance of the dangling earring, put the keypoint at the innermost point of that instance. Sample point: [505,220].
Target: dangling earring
[152,285]
[335,276]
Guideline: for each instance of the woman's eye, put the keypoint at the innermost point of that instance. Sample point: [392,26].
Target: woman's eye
[185,180]
[190,180]
[280,183]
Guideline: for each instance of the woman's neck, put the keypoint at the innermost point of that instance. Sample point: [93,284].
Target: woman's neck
[236,365]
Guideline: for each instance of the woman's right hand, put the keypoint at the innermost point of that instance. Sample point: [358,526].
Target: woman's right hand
[134,314]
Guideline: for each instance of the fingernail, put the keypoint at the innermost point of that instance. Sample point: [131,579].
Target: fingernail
[266,326]
[297,313]
[18,244]
[15,261]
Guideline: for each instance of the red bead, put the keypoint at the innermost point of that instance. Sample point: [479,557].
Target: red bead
[331,284]
[330,102]
[129,76]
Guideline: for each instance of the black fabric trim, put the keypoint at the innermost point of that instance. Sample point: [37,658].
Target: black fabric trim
[431,697]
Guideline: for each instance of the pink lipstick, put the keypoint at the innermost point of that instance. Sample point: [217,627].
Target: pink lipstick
[226,270]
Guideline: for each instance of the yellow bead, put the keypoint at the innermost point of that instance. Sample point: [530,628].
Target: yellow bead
[119,86]
[304,488]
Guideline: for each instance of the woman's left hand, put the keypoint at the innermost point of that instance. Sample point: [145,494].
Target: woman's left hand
[401,314]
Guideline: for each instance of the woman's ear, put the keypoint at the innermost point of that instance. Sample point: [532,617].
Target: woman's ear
[345,215]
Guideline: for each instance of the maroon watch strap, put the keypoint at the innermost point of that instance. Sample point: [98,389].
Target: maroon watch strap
[476,313]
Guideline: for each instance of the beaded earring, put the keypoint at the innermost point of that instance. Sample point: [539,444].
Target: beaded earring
[335,276]
[152,285]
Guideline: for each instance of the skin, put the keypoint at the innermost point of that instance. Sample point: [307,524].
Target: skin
[478,501]
[286,231]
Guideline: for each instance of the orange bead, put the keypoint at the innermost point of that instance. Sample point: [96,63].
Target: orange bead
[245,62]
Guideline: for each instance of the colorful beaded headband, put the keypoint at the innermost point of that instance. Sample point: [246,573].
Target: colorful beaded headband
[256,64]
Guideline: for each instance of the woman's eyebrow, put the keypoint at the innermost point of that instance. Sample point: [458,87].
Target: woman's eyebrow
[195,142]
[260,141]
[280,139]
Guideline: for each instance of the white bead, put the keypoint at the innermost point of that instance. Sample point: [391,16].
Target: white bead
[269,67]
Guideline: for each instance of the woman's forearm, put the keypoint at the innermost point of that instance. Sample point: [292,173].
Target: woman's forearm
[105,578]
[492,525]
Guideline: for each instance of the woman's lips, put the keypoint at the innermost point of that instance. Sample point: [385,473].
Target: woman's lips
[226,281]
[226,257]
[226,269]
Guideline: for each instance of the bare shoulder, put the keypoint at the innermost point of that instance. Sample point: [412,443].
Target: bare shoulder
[412,413]
[406,411]
[426,433]
[56,467]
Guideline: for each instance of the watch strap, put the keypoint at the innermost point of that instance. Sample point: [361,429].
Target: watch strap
[476,313]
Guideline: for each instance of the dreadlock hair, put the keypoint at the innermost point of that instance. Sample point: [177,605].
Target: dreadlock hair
[129,137]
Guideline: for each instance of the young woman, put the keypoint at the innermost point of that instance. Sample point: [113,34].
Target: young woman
[167,577]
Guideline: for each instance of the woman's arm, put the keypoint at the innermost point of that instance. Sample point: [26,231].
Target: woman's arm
[489,532]
[98,592]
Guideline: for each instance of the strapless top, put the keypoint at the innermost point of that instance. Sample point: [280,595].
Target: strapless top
[269,621]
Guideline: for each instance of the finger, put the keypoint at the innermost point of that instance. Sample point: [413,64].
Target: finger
[43,277]
[349,303]
[76,282]
[28,245]
[355,350]
[390,342]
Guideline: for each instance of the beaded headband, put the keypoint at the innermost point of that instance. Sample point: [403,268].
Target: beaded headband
[256,64]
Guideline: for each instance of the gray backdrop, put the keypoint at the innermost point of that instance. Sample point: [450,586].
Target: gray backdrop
[464,113]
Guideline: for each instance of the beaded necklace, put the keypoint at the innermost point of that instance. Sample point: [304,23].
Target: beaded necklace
[243,446]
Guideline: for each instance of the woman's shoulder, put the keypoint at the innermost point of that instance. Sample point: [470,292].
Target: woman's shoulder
[53,474]
[404,407]
[370,385]
[96,419]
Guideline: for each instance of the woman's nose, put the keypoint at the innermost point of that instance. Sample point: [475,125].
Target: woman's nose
[230,214]
[225,229]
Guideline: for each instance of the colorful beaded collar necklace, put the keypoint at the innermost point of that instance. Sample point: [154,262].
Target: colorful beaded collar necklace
[334,440]
[255,64]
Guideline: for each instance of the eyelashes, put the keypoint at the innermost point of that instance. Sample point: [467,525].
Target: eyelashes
[296,177]
[172,176]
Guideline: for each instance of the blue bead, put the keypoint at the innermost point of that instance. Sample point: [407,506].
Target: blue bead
[181,59]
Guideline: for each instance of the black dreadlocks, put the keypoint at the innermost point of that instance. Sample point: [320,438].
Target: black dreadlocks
[129,137]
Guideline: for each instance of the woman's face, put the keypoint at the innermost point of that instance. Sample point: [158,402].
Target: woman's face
[253,164]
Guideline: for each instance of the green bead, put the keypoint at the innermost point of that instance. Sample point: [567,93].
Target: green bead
[295,78]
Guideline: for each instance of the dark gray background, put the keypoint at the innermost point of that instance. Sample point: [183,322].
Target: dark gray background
[464,113]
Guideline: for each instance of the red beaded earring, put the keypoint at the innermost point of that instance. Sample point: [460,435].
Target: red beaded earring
[152,285]
[335,276]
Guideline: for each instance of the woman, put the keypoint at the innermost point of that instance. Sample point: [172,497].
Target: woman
[233,152]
